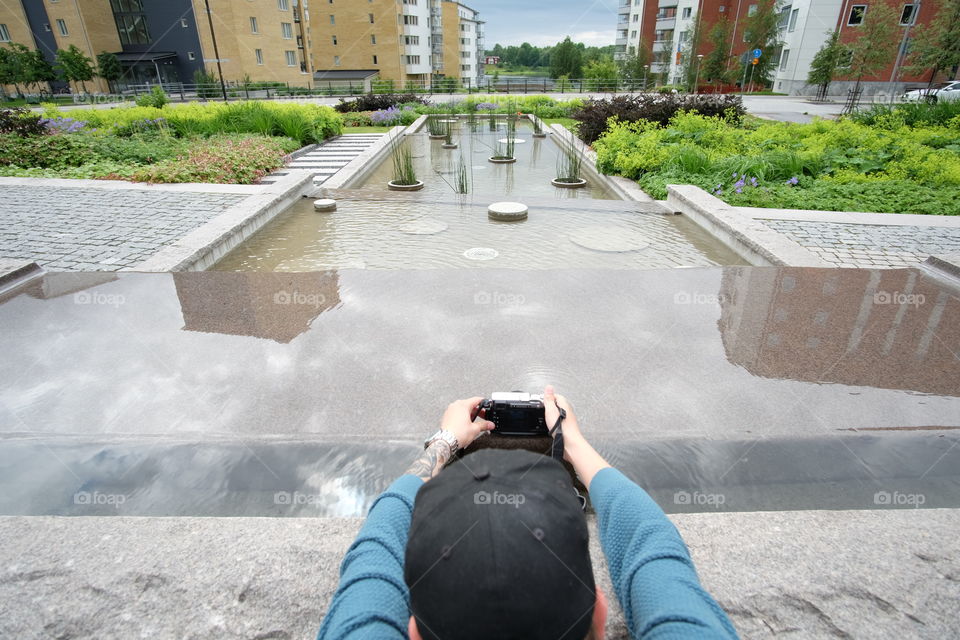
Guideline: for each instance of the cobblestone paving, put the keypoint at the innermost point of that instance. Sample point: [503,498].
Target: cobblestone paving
[87,229]
[869,246]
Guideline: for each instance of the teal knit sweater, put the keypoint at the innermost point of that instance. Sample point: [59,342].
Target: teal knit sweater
[652,573]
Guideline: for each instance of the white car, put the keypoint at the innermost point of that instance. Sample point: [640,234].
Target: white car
[939,91]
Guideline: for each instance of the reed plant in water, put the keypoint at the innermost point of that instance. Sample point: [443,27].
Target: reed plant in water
[404,172]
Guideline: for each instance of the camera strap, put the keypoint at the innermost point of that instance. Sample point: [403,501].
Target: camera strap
[556,432]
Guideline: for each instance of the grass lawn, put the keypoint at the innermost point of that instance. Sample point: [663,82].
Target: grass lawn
[366,129]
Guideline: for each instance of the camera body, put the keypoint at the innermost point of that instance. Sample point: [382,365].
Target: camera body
[516,414]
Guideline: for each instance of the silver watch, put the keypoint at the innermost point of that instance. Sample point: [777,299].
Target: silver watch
[447,437]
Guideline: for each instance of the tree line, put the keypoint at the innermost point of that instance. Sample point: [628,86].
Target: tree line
[23,68]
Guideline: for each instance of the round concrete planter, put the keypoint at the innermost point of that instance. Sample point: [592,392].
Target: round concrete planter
[507,211]
[452,145]
[405,187]
[502,160]
[569,185]
[542,134]
[439,136]
[325,204]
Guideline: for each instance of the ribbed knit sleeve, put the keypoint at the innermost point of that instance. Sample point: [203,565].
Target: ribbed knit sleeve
[372,600]
[652,573]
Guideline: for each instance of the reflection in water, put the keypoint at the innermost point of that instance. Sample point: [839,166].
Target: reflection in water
[54,285]
[840,325]
[278,306]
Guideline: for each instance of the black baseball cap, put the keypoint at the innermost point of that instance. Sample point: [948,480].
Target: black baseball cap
[499,548]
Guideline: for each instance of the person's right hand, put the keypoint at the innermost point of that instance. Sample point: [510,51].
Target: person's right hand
[571,428]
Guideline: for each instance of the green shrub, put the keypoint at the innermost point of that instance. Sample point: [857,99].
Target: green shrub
[911,114]
[357,119]
[156,98]
[21,121]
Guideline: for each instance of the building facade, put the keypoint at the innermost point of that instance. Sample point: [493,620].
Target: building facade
[663,28]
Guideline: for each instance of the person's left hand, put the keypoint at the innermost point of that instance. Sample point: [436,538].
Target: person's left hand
[456,419]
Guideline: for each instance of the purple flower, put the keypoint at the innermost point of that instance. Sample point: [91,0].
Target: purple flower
[753,182]
[793,181]
[486,106]
[63,125]
[386,116]
[739,189]
[734,174]
[739,184]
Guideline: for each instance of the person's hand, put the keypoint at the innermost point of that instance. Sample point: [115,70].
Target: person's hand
[571,428]
[456,419]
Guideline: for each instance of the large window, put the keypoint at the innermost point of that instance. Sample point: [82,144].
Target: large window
[291,58]
[410,20]
[283,5]
[411,39]
[413,59]
[286,30]
[4,33]
[908,15]
[784,57]
[131,21]
[793,20]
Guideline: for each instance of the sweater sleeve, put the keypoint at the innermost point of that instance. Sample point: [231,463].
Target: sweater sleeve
[372,599]
[651,569]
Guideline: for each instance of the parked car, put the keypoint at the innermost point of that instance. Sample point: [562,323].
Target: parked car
[939,91]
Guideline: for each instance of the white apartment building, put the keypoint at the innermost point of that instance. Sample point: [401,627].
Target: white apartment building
[629,26]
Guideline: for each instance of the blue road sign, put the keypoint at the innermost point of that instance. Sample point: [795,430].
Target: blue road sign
[756,53]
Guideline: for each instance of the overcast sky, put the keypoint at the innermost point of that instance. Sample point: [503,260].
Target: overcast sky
[540,22]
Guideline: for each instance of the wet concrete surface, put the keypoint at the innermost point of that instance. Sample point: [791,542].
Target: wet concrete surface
[208,393]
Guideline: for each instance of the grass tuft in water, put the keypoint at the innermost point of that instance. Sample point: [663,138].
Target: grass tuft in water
[404,172]
[570,166]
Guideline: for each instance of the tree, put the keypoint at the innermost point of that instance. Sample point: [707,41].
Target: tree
[566,60]
[690,64]
[716,64]
[935,47]
[762,31]
[603,73]
[75,65]
[109,68]
[826,63]
[633,66]
[39,70]
[877,43]
[13,66]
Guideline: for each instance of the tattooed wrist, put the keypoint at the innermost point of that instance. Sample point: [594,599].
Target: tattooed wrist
[431,461]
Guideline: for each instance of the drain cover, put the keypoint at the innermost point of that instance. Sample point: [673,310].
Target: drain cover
[515,140]
[424,227]
[609,239]
[481,253]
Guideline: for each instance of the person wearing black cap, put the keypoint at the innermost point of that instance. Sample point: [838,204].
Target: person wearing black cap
[496,547]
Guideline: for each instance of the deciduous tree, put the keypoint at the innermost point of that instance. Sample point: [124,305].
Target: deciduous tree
[75,65]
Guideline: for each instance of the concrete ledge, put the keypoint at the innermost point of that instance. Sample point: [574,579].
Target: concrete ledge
[814,574]
[201,248]
[852,217]
[14,273]
[757,243]
[121,185]
[945,267]
[360,166]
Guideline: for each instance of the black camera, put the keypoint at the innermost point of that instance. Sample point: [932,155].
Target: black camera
[515,414]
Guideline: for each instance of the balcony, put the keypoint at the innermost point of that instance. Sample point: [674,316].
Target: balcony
[621,42]
[666,23]
[662,45]
[666,3]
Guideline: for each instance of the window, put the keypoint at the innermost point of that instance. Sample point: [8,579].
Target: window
[633,35]
[336,61]
[131,21]
[254,27]
[333,20]
[46,26]
[907,16]
[411,20]
[373,39]
[793,20]
[857,12]
[286,30]
[283,5]
[686,12]
[259,54]
[413,59]
[752,10]
[291,58]
[683,36]
[62,26]
[464,67]
[370,15]
[184,23]
[636,17]
[464,40]
[334,40]
[722,8]
[410,2]
[374,59]
[784,17]
[411,39]
[783,59]
[191,55]
[4,33]
[464,54]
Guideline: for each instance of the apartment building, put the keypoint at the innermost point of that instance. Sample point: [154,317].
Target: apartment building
[265,40]
[406,41]
[665,26]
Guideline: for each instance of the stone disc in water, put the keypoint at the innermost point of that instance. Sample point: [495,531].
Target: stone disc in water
[423,227]
[480,253]
[609,239]
[515,140]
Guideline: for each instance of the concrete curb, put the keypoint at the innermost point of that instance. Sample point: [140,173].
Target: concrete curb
[202,247]
[122,185]
[852,217]
[757,243]
[360,166]
[945,267]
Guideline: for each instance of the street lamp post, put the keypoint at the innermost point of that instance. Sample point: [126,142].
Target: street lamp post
[646,70]
[696,83]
